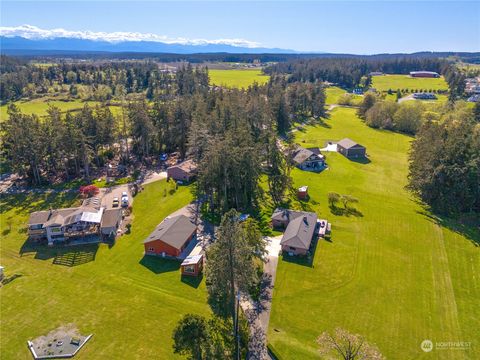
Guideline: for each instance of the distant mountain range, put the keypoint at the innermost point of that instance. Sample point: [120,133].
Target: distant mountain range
[17,44]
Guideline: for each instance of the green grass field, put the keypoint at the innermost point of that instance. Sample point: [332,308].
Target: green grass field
[392,274]
[130,303]
[394,82]
[237,78]
[334,93]
[40,106]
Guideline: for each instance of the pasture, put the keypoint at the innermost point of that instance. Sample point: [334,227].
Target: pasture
[392,272]
[237,78]
[40,106]
[394,82]
[130,303]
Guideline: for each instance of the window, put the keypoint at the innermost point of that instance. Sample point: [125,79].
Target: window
[56,230]
[189,269]
[292,248]
[151,249]
[36,227]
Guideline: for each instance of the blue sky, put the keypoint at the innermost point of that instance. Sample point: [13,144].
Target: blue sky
[360,27]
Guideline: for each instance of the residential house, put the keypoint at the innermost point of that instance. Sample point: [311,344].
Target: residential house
[351,149]
[64,225]
[424,74]
[184,171]
[308,159]
[299,230]
[170,237]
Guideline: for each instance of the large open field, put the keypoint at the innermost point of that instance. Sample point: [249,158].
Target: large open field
[394,82]
[130,303]
[40,106]
[391,273]
[237,78]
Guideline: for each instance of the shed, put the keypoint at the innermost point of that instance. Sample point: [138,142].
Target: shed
[302,192]
[192,265]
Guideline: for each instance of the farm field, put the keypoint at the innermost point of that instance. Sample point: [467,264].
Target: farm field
[394,82]
[237,78]
[391,273]
[130,303]
[40,106]
[333,94]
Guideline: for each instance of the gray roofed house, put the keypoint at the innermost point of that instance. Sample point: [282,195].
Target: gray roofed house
[308,159]
[299,233]
[350,149]
[171,236]
[60,225]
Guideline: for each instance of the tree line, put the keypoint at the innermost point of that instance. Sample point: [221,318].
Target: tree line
[102,79]
[348,72]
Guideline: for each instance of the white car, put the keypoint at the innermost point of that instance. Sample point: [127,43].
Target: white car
[124,201]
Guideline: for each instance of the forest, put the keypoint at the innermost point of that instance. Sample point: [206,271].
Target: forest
[231,133]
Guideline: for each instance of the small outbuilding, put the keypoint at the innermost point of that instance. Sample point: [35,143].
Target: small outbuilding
[111,220]
[192,265]
[351,149]
[302,192]
[170,237]
[184,171]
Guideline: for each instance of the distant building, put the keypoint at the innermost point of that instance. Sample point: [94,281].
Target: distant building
[472,85]
[474,98]
[170,237]
[357,91]
[424,74]
[376,73]
[308,159]
[184,171]
[424,96]
[351,149]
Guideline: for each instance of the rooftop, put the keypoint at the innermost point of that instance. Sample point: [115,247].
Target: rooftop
[187,166]
[348,143]
[299,231]
[173,231]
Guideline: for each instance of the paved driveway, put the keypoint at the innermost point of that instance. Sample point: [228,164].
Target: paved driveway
[115,191]
[258,313]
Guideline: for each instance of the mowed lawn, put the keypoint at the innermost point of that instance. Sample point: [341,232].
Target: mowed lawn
[392,274]
[130,303]
[394,82]
[237,78]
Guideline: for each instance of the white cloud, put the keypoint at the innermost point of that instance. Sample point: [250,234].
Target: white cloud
[34,32]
